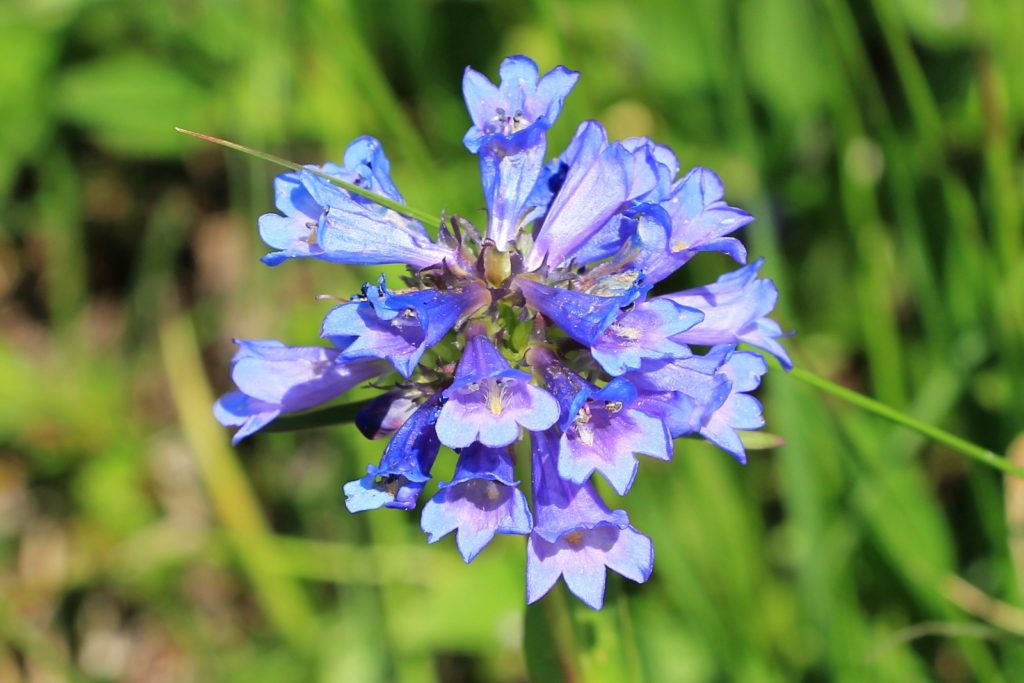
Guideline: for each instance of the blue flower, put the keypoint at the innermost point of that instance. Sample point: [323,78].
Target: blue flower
[582,316]
[601,180]
[489,400]
[508,132]
[698,220]
[325,222]
[522,103]
[543,323]
[603,427]
[382,415]
[273,379]
[648,330]
[404,468]
[735,309]
[715,388]
[576,536]
[481,500]
[399,327]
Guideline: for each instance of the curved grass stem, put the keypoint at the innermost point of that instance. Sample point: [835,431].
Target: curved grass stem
[425,216]
[952,441]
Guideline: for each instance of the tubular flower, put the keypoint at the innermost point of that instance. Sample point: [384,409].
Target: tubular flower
[540,328]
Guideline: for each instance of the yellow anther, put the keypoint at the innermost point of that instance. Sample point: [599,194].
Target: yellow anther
[585,432]
[629,333]
[495,398]
[311,235]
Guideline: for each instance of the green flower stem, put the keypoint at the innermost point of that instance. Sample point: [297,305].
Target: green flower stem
[607,647]
[566,641]
[325,417]
[952,441]
[549,640]
[425,216]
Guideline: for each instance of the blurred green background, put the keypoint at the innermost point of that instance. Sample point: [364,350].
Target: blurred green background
[879,143]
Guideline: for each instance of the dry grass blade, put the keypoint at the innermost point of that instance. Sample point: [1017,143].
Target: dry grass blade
[975,601]
[1015,512]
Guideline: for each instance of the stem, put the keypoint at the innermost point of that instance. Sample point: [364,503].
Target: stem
[549,641]
[882,410]
[339,414]
[567,642]
[606,645]
[424,216]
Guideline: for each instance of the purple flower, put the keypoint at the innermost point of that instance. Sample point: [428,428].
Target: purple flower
[738,410]
[649,330]
[576,536]
[715,387]
[273,379]
[583,316]
[508,132]
[603,428]
[542,322]
[490,400]
[326,222]
[735,309]
[384,414]
[699,220]
[481,500]
[404,468]
[601,181]
[606,431]
[399,327]
[523,102]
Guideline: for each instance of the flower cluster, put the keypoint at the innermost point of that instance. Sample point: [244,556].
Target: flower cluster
[546,324]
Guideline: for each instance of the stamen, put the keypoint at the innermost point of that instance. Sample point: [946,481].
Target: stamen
[585,432]
[390,483]
[517,122]
[574,538]
[627,333]
[496,395]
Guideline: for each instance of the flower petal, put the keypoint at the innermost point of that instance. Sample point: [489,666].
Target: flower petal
[598,185]
[735,310]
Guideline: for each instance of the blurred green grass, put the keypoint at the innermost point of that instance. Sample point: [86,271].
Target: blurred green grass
[878,143]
